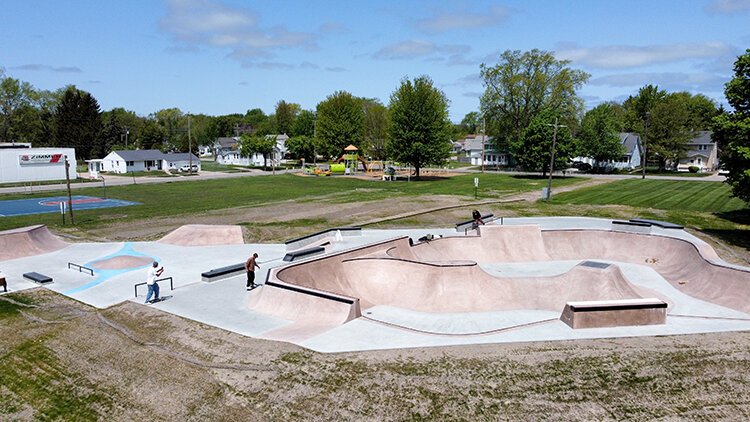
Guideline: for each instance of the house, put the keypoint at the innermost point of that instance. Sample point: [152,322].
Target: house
[630,159]
[701,153]
[480,151]
[146,160]
[227,151]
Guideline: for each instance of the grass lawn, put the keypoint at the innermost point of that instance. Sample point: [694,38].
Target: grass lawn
[169,199]
[658,194]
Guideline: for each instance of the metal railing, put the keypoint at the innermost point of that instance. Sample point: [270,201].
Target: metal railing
[171,284]
[80,268]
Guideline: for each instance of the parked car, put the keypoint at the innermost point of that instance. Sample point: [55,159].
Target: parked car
[186,168]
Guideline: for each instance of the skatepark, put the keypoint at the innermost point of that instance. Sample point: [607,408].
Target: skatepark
[347,289]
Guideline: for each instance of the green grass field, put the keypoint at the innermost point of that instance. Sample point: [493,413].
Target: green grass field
[658,194]
[183,198]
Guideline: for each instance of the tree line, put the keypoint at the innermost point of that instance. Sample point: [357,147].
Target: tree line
[525,94]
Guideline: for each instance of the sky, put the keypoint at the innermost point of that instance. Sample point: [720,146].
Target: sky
[228,56]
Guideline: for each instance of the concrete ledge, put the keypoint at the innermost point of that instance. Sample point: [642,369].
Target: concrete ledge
[303,241]
[304,253]
[37,278]
[614,313]
[662,224]
[223,272]
[631,226]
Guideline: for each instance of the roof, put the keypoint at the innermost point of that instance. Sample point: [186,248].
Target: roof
[179,156]
[629,140]
[140,154]
[701,137]
[227,142]
[351,148]
[474,142]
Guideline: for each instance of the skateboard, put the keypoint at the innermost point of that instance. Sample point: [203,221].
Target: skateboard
[161,299]
[255,286]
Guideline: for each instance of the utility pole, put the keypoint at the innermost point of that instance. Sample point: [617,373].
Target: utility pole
[190,149]
[645,156]
[483,128]
[70,197]
[552,158]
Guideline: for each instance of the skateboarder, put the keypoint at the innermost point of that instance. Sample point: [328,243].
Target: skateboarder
[250,266]
[153,286]
[477,219]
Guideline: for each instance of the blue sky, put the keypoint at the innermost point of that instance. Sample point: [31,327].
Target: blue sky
[228,56]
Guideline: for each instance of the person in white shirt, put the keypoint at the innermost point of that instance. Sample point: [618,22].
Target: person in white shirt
[153,286]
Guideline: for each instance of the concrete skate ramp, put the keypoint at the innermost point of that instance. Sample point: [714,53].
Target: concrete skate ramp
[28,241]
[694,270]
[492,244]
[204,235]
[310,314]
[463,288]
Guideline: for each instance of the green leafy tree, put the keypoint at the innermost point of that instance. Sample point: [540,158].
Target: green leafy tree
[521,86]
[302,147]
[599,135]
[78,124]
[731,131]
[286,114]
[341,121]
[419,129]
[223,126]
[304,124]
[533,148]
[152,135]
[258,144]
[669,130]
[376,129]
[16,109]
[174,125]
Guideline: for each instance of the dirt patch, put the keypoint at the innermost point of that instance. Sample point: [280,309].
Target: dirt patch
[64,360]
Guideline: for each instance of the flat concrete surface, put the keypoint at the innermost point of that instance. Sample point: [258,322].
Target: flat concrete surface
[391,321]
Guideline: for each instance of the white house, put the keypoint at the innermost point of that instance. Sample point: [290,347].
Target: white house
[476,146]
[145,160]
[27,164]
[631,157]
[227,151]
[701,153]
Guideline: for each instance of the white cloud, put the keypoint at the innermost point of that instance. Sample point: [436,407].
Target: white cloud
[493,16]
[210,23]
[336,69]
[412,49]
[672,81]
[728,6]
[47,68]
[626,56]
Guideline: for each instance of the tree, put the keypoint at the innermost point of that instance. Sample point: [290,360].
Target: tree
[521,86]
[731,131]
[152,135]
[472,122]
[302,146]
[669,130]
[174,126]
[533,147]
[263,145]
[304,124]
[341,121]
[419,129]
[78,124]
[376,129]
[599,135]
[16,99]
[286,114]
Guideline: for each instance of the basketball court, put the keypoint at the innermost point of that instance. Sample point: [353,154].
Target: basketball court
[17,207]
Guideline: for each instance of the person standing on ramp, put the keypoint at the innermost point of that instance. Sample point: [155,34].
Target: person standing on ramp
[250,266]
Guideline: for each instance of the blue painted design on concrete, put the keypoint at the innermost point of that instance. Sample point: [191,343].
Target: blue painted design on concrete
[106,274]
[16,207]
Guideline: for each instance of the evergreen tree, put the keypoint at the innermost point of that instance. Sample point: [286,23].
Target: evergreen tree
[78,124]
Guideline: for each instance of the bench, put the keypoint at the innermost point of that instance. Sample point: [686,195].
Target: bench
[223,272]
[38,278]
[662,224]
[465,225]
[304,253]
[614,313]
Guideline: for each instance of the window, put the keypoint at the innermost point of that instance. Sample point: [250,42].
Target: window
[129,163]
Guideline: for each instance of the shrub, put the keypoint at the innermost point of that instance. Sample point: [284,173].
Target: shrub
[694,169]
